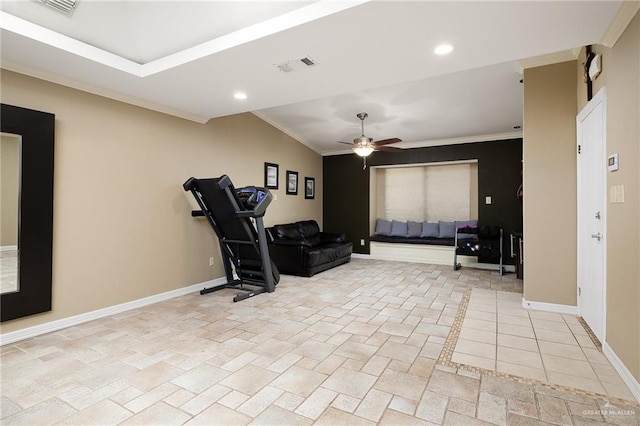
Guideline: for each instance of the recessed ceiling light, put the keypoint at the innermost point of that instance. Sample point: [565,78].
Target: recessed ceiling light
[443,49]
[240,95]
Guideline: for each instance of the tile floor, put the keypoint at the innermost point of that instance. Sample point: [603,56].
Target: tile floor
[364,343]
[498,334]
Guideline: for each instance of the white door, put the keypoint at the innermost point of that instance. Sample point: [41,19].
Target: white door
[592,169]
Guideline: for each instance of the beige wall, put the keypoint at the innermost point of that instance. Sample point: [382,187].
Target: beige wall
[552,100]
[549,177]
[10,184]
[621,76]
[122,224]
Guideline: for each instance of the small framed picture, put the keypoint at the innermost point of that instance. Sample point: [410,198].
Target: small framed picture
[271,175]
[292,182]
[309,188]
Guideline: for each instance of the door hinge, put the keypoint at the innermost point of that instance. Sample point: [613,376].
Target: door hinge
[579,291]
[579,149]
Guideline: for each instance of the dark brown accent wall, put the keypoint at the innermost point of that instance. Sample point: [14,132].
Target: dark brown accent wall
[346,185]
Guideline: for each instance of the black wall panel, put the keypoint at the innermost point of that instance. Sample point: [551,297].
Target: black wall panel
[346,185]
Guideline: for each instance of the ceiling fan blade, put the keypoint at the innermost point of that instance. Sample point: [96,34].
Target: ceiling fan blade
[346,143]
[388,149]
[386,141]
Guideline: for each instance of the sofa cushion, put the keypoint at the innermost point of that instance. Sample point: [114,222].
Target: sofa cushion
[414,229]
[466,224]
[398,229]
[326,253]
[430,230]
[308,228]
[447,229]
[383,227]
[289,231]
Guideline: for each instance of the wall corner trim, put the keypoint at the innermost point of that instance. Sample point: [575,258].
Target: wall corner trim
[552,58]
[622,370]
[51,326]
[550,307]
[619,23]
[285,130]
[72,83]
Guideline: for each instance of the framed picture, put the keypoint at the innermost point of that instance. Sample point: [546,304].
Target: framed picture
[292,182]
[271,175]
[309,188]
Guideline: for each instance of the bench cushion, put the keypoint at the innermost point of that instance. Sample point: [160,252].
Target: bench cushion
[428,241]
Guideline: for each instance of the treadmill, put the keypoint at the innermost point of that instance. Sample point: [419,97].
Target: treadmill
[236,216]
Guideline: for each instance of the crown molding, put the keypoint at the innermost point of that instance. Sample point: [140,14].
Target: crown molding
[441,142]
[286,131]
[100,91]
[552,58]
[619,23]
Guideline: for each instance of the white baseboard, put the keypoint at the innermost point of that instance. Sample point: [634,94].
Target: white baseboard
[622,370]
[550,307]
[360,256]
[8,248]
[49,327]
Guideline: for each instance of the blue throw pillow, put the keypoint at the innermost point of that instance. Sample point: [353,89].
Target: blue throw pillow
[398,229]
[466,224]
[447,229]
[414,229]
[430,230]
[383,227]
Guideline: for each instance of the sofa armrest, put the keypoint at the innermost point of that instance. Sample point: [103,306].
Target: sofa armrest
[326,237]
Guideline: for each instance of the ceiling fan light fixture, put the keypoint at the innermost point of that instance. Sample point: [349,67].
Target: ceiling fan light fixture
[363,151]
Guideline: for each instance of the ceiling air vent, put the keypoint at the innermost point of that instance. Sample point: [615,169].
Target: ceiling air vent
[296,64]
[64,6]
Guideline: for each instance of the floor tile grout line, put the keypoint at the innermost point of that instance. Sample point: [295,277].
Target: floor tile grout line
[535,336]
[445,360]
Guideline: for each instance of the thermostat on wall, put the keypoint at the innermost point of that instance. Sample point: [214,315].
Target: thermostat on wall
[612,162]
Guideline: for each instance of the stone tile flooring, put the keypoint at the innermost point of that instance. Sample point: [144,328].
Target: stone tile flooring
[368,342]
[498,334]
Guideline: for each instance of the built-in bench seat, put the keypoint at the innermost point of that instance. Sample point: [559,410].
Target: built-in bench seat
[407,240]
[395,240]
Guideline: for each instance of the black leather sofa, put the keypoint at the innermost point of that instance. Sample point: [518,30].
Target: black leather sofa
[301,249]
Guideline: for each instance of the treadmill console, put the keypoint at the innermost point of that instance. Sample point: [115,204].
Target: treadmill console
[254,199]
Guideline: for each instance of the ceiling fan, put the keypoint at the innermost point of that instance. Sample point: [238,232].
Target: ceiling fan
[364,146]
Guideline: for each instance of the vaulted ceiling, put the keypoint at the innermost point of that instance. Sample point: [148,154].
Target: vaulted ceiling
[189,58]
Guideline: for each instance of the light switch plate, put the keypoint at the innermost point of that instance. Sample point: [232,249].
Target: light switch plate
[613,163]
[620,193]
[487,200]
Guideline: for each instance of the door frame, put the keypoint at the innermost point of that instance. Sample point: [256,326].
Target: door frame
[599,98]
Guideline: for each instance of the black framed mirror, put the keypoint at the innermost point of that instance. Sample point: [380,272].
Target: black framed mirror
[35,132]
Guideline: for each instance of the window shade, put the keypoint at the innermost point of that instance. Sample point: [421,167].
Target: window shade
[431,193]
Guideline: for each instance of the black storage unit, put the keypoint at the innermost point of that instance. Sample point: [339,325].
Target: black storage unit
[485,243]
